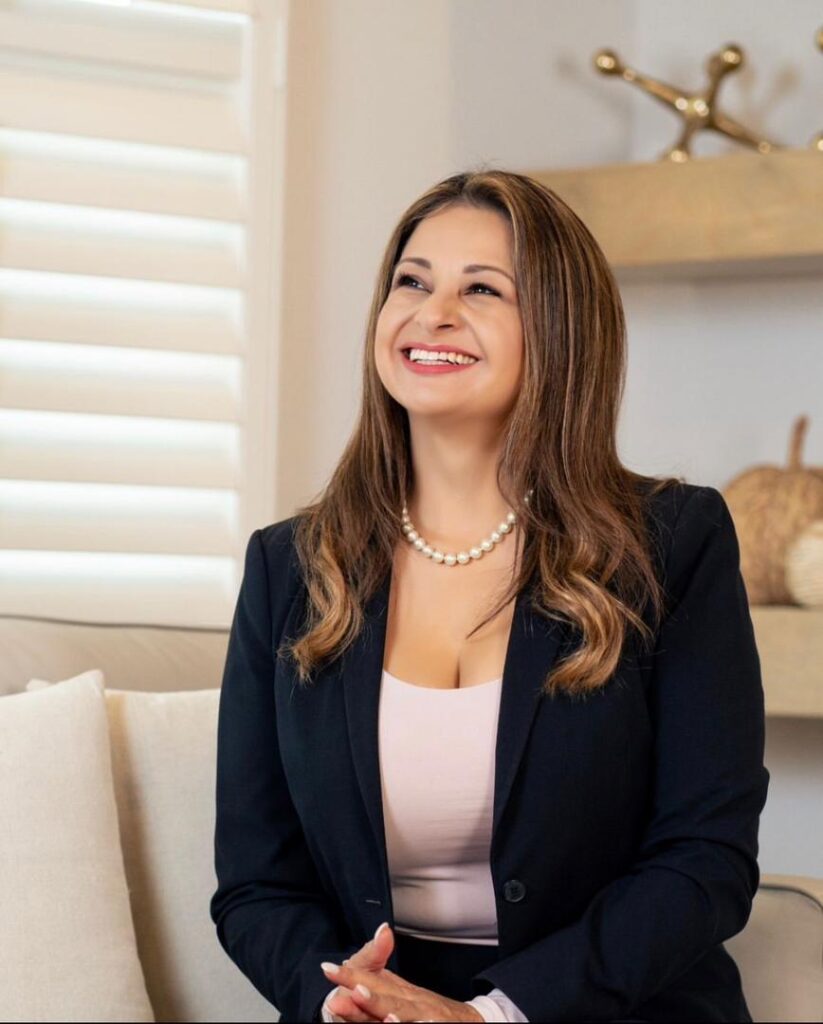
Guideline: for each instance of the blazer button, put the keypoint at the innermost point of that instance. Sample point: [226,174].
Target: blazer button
[514,890]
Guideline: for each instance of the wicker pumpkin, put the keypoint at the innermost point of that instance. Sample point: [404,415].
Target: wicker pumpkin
[804,566]
[771,506]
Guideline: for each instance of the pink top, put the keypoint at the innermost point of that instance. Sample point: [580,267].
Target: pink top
[437,773]
[437,753]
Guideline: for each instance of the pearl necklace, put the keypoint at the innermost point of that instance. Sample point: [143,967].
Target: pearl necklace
[462,557]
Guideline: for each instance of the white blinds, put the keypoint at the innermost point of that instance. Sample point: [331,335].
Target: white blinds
[125,344]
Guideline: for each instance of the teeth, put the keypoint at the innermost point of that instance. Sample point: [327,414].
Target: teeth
[420,355]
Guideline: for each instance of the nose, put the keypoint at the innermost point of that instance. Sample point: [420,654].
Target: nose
[436,312]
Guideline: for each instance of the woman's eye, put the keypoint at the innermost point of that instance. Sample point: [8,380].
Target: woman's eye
[405,277]
[478,284]
[488,288]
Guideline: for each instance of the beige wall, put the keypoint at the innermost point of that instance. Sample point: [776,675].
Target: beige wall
[369,117]
[386,97]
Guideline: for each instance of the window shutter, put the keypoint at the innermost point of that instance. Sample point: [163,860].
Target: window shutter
[139,151]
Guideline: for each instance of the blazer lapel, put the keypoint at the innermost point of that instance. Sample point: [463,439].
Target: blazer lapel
[532,649]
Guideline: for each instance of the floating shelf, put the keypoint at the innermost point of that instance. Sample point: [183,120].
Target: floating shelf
[790,643]
[740,214]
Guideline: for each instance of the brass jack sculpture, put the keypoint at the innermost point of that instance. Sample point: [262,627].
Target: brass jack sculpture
[698,110]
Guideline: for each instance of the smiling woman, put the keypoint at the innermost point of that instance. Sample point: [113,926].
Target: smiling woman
[571,832]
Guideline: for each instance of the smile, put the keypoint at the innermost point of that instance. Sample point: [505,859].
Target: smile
[442,363]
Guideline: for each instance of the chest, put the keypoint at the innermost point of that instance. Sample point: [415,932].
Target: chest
[433,612]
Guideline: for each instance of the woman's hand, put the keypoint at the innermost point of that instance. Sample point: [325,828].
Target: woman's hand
[390,998]
[373,957]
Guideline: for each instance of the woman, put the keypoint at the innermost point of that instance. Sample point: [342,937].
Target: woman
[537,757]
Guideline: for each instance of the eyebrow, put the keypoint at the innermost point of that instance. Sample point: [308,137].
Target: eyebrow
[470,268]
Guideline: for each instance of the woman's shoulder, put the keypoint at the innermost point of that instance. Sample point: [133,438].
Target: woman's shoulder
[271,552]
[679,514]
[667,498]
[275,537]
[696,535]
[680,502]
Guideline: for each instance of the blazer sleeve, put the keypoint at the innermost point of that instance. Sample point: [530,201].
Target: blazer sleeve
[695,874]
[269,908]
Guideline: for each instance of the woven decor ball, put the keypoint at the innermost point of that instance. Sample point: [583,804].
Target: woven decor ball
[804,566]
[771,506]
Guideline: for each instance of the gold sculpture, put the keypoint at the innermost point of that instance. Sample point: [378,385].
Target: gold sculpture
[698,110]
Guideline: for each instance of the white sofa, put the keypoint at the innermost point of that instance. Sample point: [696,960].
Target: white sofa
[106,845]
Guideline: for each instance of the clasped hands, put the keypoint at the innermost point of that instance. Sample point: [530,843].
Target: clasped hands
[370,992]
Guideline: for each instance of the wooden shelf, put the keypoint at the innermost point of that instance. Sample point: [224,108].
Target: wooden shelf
[790,643]
[739,214]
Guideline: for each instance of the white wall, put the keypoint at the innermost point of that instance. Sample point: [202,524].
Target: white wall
[368,129]
[387,97]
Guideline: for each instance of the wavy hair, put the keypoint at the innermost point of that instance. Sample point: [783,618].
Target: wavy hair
[587,551]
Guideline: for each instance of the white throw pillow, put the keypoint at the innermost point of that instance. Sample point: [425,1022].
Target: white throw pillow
[67,942]
[164,760]
[164,751]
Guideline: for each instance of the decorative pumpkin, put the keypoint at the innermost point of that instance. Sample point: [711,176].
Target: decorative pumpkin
[804,566]
[771,506]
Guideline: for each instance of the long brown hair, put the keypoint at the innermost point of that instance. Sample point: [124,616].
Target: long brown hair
[585,540]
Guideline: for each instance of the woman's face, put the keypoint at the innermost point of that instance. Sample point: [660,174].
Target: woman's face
[442,303]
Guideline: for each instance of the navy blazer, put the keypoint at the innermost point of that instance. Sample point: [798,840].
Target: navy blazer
[624,842]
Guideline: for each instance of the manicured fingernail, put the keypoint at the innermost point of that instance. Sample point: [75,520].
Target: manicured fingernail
[364,992]
[380,928]
[331,968]
[392,1016]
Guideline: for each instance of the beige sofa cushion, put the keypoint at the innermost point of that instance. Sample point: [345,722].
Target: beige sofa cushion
[780,951]
[67,943]
[130,656]
[164,749]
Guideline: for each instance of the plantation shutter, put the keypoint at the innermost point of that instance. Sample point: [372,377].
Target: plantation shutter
[139,147]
